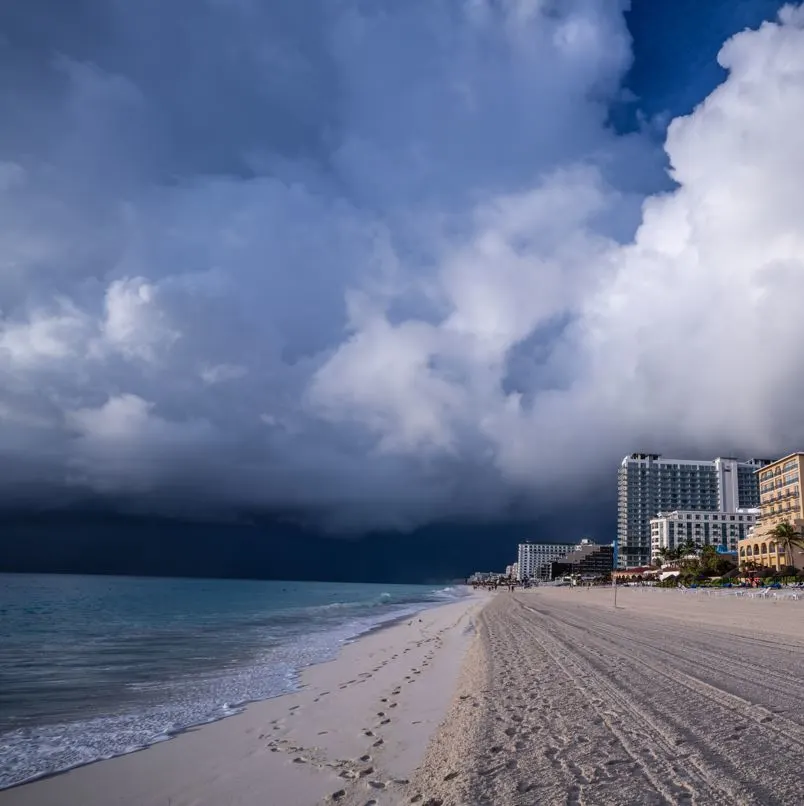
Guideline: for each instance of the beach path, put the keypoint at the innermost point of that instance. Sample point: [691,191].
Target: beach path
[670,698]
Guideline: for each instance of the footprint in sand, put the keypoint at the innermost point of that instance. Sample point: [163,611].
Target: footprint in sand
[365,758]
[378,743]
[339,795]
[376,784]
[368,732]
[385,721]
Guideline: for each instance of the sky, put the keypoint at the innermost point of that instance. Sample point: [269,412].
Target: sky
[372,266]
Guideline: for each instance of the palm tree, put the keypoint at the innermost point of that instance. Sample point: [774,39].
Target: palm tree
[788,538]
[689,546]
[750,568]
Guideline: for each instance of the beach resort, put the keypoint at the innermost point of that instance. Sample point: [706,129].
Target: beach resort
[533,692]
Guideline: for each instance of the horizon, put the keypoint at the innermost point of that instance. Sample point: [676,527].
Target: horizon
[400,283]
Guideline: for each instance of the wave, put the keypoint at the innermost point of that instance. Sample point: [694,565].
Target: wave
[275,645]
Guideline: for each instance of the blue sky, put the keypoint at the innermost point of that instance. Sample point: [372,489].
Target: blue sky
[675,48]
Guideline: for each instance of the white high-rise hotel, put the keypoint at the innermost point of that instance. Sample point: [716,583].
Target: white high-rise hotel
[648,484]
[533,559]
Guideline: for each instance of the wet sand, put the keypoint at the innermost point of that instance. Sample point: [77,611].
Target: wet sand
[353,735]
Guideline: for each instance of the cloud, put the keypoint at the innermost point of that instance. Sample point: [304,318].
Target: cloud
[385,264]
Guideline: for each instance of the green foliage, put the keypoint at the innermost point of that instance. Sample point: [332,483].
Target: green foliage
[788,538]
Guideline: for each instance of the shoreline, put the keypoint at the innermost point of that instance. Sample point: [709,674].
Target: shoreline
[228,710]
[171,763]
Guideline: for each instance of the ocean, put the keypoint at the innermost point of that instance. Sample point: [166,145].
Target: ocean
[94,667]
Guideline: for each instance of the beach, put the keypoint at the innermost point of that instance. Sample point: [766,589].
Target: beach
[550,696]
[672,698]
[357,729]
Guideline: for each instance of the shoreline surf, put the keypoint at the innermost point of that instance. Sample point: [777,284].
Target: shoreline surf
[26,762]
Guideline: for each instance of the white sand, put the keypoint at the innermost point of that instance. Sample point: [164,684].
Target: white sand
[359,728]
[670,699]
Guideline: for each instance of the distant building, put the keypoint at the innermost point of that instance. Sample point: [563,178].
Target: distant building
[587,559]
[669,530]
[534,559]
[648,484]
[780,501]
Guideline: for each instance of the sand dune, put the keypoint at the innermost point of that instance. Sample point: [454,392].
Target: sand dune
[670,699]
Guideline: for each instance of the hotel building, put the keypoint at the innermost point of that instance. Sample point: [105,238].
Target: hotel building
[586,559]
[533,559]
[780,501]
[669,530]
[648,484]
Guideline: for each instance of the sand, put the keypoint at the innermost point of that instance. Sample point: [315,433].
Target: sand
[357,730]
[541,697]
[672,698]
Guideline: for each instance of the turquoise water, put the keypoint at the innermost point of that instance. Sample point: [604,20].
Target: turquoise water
[92,667]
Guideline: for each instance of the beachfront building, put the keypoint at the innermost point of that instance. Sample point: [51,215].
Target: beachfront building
[780,501]
[648,484]
[533,559]
[669,530]
[587,559]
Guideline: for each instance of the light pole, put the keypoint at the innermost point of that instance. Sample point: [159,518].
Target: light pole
[614,570]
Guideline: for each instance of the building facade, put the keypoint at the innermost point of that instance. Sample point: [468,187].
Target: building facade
[533,559]
[648,484]
[780,501]
[587,559]
[669,530]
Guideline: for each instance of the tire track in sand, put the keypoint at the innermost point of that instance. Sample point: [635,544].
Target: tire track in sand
[575,705]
